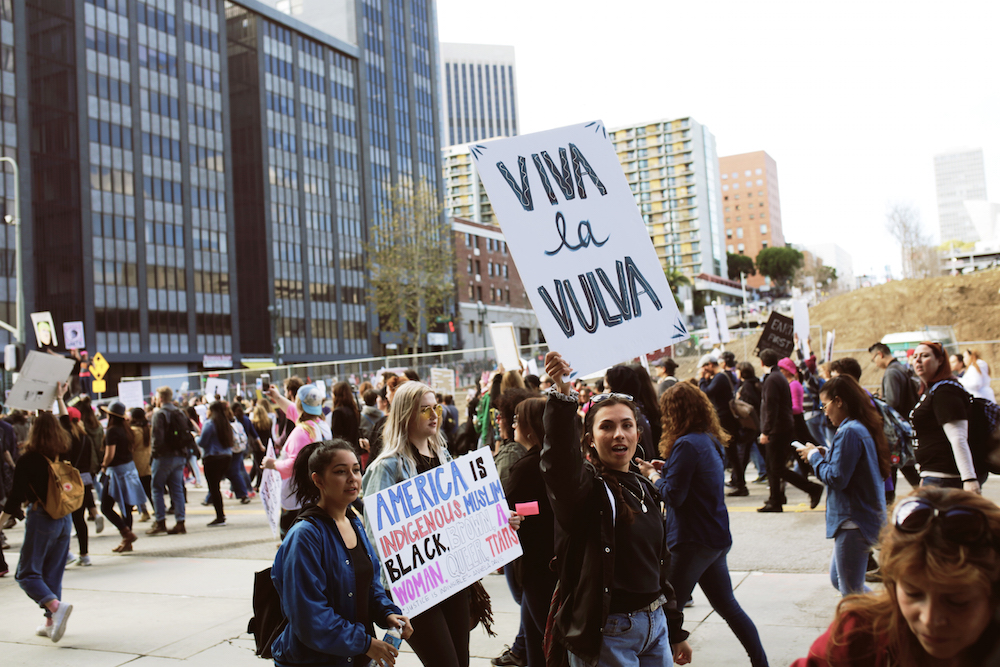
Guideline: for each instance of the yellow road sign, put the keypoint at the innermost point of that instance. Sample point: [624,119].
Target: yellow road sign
[99,386]
[99,366]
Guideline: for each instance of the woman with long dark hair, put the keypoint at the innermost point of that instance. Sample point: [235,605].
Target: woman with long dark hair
[216,443]
[121,479]
[346,418]
[262,424]
[46,540]
[691,484]
[616,605]
[854,471]
[142,455]
[81,456]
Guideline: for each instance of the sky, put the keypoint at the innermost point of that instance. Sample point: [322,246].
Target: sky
[851,99]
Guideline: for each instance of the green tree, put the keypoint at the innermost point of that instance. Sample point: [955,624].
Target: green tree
[411,261]
[779,264]
[740,264]
[676,278]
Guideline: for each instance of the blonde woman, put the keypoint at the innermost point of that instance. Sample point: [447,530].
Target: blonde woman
[262,424]
[976,379]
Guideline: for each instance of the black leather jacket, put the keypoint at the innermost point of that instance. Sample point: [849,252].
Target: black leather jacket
[585,538]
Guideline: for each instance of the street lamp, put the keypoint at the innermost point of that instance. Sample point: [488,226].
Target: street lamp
[15,220]
[481,309]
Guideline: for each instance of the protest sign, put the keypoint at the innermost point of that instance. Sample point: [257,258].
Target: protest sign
[723,320]
[443,380]
[712,324]
[270,493]
[440,531]
[73,335]
[800,320]
[45,329]
[322,387]
[830,337]
[505,345]
[216,387]
[35,388]
[580,245]
[777,335]
[130,393]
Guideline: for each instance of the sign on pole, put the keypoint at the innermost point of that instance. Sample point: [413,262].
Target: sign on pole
[505,345]
[440,531]
[99,367]
[270,494]
[723,321]
[443,380]
[713,326]
[777,335]
[580,245]
[800,318]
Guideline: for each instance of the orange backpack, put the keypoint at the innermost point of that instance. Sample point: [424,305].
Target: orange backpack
[65,494]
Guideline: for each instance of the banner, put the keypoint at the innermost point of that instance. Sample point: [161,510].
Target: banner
[270,494]
[580,245]
[439,532]
[777,335]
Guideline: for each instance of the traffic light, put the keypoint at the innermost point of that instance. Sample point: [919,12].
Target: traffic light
[451,326]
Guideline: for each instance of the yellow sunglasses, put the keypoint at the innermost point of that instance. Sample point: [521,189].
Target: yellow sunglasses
[428,410]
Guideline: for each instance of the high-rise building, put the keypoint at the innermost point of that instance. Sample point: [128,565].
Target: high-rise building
[673,169]
[478,92]
[16,145]
[835,256]
[750,206]
[960,176]
[464,194]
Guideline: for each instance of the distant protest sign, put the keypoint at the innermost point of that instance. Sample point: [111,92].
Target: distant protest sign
[270,493]
[778,335]
[580,245]
[439,532]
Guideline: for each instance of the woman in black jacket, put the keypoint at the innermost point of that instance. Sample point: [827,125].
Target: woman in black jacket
[746,436]
[345,420]
[615,601]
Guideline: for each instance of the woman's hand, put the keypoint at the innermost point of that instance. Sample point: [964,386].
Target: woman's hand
[557,368]
[267,463]
[647,469]
[382,653]
[972,485]
[364,444]
[514,521]
[682,653]
[402,622]
[806,451]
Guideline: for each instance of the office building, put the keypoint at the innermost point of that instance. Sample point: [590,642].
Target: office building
[464,194]
[479,101]
[836,257]
[673,169]
[489,289]
[15,145]
[751,207]
[959,176]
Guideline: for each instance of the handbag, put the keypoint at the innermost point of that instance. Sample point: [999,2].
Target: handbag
[745,413]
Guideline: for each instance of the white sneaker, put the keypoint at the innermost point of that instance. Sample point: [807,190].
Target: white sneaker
[99,523]
[43,630]
[84,560]
[70,558]
[59,619]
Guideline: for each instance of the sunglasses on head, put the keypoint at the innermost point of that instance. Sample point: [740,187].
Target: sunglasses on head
[960,524]
[594,400]
[427,411]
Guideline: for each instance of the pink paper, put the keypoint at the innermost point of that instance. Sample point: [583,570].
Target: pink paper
[527,509]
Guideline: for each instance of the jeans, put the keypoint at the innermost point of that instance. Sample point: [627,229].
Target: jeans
[850,560]
[168,472]
[758,459]
[517,648]
[441,634]
[942,482]
[199,478]
[43,556]
[696,563]
[215,470]
[123,522]
[238,480]
[637,638]
[777,451]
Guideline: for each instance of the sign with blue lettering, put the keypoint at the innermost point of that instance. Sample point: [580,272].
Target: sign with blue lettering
[580,245]
[441,531]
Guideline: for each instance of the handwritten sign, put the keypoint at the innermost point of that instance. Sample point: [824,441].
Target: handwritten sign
[270,493]
[580,245]
[505,345]
[800,320]
[216,387]
[777,335]
[130,393]
[443,380]
[439,532]
[712,324]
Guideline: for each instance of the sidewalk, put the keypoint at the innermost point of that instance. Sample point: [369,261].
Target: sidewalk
[169,611]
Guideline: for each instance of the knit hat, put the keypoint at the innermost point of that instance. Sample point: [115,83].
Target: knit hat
[788,365]
[311,398]
[706,360]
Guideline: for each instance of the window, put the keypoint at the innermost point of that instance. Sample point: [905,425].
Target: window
[760,181]
[739,232]
[725,187]
[748,172]
[468,240]
[758,171]
[479,268]
[736,186]
[740,248]
[735,175]
[470,266]
[725,176]
[763,229]
[729,248]
[729,233]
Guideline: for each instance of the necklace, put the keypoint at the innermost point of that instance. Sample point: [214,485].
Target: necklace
[641,500]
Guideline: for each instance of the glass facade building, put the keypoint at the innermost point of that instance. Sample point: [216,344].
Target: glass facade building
[479,86]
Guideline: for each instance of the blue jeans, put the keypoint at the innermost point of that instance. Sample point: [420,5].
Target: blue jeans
[758,459]
[850,560]
[518,648]
[43,556]
[942,482]
[696,563]
[635,639]
[168,471]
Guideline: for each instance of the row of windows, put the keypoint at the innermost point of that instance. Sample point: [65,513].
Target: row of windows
[165,277]
[200,36]
[211,283]
[279,67]
[280,103]
[103,41]
[736,175]
[202,239]
[313,115]
[116,273]
[210,199]
[165,234]
[491,269]
[116,6]
[110,134]
[157,61]
[107,88]
[160,103]
[107,179]
[163,190]
[495,294]
[206,158]
[156,18]
[160,146]
[736,186]
[204,77]
[114,227]
[739,231]
[741,248]
[282,140]
[202,117]
[312,80]
[492,245]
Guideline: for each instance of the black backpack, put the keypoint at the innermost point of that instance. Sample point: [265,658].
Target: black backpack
[984,430]
[178,433]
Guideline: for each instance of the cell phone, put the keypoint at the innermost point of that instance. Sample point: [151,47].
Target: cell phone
[266,382]
[798,445]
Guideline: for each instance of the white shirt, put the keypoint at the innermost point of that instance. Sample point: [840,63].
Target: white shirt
[977,381]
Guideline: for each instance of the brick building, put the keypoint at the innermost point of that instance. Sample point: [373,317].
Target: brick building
[751,207]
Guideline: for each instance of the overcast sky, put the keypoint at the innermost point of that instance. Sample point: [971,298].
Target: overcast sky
[852,99]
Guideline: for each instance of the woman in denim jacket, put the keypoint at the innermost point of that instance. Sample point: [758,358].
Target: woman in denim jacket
[413,444]
[854,471]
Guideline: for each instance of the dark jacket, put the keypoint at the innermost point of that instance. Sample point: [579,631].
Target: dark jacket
[585,538]
[525,485]
[163,418]
[776,406]
[898,390]
[344,423]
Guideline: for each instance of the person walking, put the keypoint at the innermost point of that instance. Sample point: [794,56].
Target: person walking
[141,455]
[81,456]
[691,483]
[413,444]
[616,605]
[121,479]
[46,539]
[262,424]
[900,394]
[777,427]
[976,378]
[745,446]
[345,419]
[170,435]
[854,470]
[216,443]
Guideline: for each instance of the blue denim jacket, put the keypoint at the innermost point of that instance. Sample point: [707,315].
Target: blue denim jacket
[855,491]
[314,576]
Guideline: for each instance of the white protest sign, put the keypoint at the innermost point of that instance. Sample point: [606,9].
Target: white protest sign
[73,336]
[443,380]
[713,326]
[440,531]
[35,386]
[800,320]
[216,387]
[580,245]
[322,387]
[831,336]
[270,494]
[130,393]
[723,320]
[45,329]
[505,345]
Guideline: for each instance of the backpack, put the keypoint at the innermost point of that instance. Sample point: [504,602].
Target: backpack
[240,439]
[65,494]
[984,430]
[178,436]
[898,433]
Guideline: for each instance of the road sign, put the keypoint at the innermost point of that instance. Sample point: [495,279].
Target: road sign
[98,386]
[99,366]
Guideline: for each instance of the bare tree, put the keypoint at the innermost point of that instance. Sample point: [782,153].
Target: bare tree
[902,221]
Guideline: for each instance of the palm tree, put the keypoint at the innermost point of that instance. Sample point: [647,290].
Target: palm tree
[676,278]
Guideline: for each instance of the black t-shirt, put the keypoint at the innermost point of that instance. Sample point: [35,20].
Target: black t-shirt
[116,437]
[363,573]
[636,581]
[947,403]
[425,463]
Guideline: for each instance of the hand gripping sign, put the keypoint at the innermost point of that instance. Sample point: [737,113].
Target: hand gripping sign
[580,245]
[441,531]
